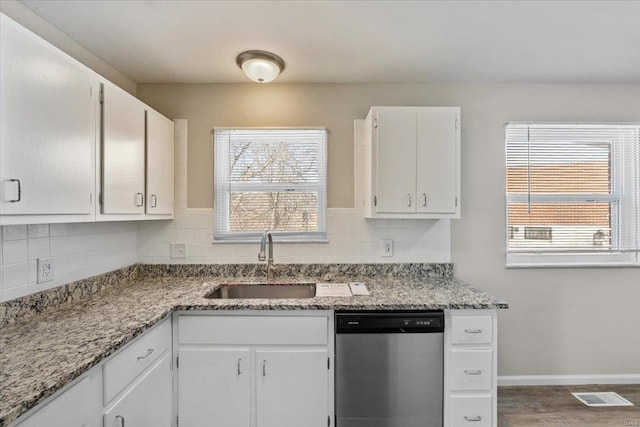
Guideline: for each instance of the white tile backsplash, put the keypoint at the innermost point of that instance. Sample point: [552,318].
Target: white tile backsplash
[77,251]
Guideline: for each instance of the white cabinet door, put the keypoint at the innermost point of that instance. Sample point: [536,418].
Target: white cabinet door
[437,166]
[123,159]
[159,164]
[292,388]
[148,402]
[46,136]
[214,387]
[395,130]
[70,409]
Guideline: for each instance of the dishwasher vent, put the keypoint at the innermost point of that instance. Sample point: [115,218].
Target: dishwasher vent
[599,399]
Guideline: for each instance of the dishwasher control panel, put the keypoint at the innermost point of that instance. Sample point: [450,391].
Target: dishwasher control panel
[395,322]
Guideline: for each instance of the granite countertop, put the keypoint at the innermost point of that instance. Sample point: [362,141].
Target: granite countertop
[40,354]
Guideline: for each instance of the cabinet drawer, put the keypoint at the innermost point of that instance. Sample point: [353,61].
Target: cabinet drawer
[252,330]
[470,369]
[471,411]
[135,358]
[471,329]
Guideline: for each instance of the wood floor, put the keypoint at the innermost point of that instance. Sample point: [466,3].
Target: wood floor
[555,406]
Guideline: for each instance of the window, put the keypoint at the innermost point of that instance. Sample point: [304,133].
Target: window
[270,179]
[573,194]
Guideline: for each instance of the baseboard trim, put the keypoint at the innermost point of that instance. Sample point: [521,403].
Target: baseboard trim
[514,380]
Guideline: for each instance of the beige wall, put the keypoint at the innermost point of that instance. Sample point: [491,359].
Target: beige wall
[561,321]
[25,17]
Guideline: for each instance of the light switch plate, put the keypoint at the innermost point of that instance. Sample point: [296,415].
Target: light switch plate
[178,250]
[386,248]
[45,270]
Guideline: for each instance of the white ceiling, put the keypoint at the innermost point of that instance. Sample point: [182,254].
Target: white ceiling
[360,41]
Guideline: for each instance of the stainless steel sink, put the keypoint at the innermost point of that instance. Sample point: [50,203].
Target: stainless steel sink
[273,290]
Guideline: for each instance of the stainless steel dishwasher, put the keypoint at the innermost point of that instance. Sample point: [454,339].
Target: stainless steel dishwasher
[389,369]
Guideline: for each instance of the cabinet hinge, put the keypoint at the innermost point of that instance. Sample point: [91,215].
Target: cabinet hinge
[375,123]
[101,97]
[456,123]
[375,200]
[100,200]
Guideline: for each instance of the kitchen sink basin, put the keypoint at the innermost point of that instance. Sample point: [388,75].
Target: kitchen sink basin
[272,290]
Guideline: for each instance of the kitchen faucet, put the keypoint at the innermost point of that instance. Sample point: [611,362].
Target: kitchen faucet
[261,255]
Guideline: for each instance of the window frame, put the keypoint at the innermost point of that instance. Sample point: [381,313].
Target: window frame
[619,191]
[222,194]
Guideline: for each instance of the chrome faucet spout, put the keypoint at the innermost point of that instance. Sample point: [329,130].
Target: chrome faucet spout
[262,256]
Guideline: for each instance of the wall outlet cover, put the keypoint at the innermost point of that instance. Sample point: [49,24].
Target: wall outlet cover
[45,270]
[178,250]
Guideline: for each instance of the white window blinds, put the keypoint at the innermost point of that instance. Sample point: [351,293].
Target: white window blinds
[270,179]
[573,189]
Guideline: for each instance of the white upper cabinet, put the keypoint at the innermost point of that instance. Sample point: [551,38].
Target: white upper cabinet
[160,154]
[123,152]
[414,162]
[437,169]
[73,146]
[395,129]
[47,135]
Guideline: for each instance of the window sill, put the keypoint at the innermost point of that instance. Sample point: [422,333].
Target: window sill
[516,266]
[616,260]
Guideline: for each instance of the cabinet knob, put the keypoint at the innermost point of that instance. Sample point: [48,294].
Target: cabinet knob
[154,201]
[239,371]
[409,204]
[424,199]
[473,331]
[476,372]
[264,368]
[121,418]
[473,419]
[139,199]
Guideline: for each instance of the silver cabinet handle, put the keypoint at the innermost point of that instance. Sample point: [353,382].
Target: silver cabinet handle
[473,331]
[264,368]
[147,354]
[409,194]
[476,372]
[424,199]
[19,191]
[473,419]
[121,418]
[154,201]
[139,199]
[239,371]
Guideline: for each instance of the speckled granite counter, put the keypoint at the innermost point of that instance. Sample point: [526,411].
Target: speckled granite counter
[41,353]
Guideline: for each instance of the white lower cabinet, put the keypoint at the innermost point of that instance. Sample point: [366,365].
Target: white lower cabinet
[239,370]
[291,387]
[214,387]
[72,407]
[470,391]
[147,403]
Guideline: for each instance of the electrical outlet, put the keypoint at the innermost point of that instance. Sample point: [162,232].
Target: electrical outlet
[45,270]
[387,247]
[178,250]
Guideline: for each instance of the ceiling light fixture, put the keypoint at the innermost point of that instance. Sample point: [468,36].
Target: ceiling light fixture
[260,66]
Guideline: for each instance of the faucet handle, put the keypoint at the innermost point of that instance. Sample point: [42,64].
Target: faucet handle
[261,256]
